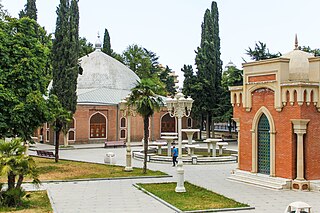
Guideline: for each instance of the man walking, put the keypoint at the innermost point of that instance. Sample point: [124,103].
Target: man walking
[174,156]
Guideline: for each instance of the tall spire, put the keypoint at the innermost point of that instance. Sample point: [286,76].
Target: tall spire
[296,43]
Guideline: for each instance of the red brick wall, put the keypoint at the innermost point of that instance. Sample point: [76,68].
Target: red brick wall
[82,124]
[262,78]
[285,137]
[312,142]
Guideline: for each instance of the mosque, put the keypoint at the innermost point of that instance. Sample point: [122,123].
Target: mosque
[277,111]
[103,84]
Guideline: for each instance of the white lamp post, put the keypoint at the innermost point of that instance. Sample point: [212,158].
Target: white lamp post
[128,111]
[179,106]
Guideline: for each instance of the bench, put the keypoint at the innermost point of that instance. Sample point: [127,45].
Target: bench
[44,153]
[114,144]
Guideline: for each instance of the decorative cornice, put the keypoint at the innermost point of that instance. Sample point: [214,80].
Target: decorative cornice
[267,61]
[235,88]
[260,82]
[292,84]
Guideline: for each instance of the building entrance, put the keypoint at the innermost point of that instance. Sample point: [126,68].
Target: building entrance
[264,145]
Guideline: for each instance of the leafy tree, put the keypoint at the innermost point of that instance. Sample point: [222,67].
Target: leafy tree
[193,88]
[106,43]
[85,47]
[3,12]
[23,76]
[231,77]
[261,52]
[16,166]
[137,60]
[189,80]
[315,52]
[146,100]
[30,10]
[168,80]
[65,54]
[209,67]
[146,65]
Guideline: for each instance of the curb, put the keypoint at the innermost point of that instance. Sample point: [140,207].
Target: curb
[99,179]
[54,209]
[192,211]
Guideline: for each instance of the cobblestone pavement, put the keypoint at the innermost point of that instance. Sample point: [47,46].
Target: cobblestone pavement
[120,196]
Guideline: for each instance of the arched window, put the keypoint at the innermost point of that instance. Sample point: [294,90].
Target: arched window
[71,136]
[168,123]
[123,122]
[122,134]
[98,126]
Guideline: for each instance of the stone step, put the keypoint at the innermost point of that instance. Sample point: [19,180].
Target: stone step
[260,180]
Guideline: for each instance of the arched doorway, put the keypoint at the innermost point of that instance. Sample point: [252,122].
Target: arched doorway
[98,126]
[264,145]
[168,123]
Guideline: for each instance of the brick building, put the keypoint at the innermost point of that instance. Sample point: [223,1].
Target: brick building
[103,84]
[277,114]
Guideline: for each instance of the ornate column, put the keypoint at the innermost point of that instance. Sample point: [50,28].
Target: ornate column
[272,153]
[128,111]
[254,161]
[237,120]
[300,128]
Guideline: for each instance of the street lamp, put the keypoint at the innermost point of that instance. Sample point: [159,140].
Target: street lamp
[127,111]
[179,106]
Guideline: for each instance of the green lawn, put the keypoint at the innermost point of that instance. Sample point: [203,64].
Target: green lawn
[34,202]
[195,197]
[69,170]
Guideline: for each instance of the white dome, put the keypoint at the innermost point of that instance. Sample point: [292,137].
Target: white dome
[298,65]
[102,71]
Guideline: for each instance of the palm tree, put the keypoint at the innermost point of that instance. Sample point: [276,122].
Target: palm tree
[15,165]
[145,98]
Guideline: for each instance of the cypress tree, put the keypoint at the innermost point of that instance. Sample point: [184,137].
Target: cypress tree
[65,52]
[209,66]
[30,10]
[106,43]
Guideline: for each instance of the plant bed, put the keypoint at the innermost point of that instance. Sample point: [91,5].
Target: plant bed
[33,202]
[71,170]
[194,199]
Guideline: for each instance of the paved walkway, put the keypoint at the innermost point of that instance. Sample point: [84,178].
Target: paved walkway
[120,196]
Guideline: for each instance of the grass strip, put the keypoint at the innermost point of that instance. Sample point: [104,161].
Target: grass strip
[33,202]
[195,197]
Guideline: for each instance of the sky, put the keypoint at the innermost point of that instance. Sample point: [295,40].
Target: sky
[172,28]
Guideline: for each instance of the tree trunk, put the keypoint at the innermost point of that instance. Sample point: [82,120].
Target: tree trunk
[11,180]
[146,136]
[212,126]
[208,125]
[56,154]
[19,182]
[201,126]
[65,139]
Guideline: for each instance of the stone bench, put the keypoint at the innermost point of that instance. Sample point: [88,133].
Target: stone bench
[191,148]
[221,144]
[114,144]
[44,153]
